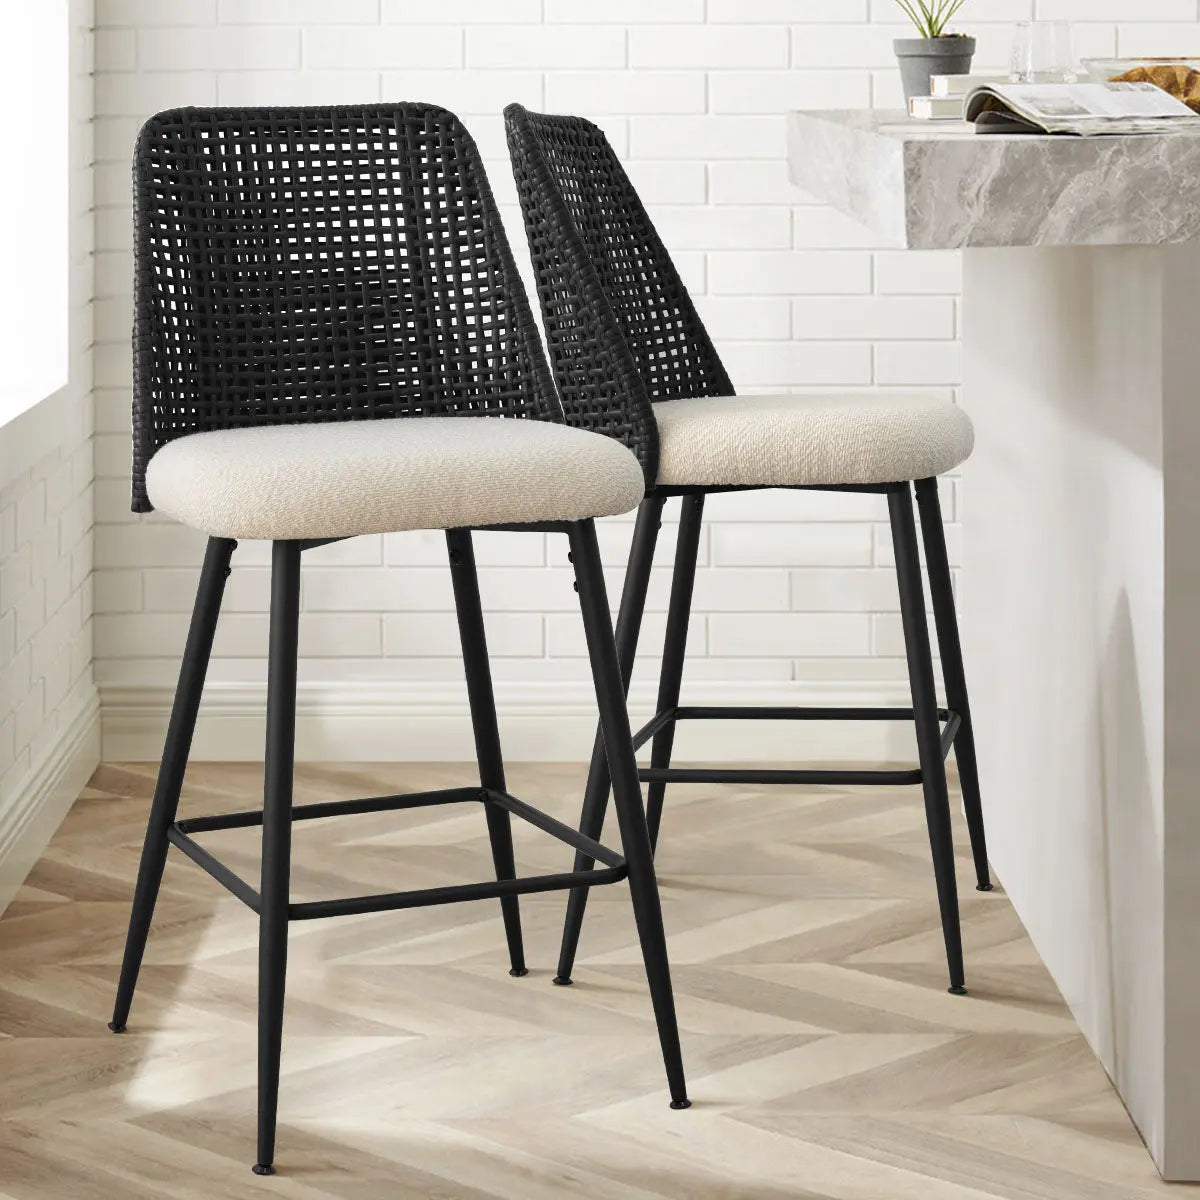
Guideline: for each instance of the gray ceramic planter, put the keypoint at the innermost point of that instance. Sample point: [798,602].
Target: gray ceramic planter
[922,57]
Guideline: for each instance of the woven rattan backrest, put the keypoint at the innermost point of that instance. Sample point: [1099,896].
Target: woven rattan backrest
[588,231]
[321,264]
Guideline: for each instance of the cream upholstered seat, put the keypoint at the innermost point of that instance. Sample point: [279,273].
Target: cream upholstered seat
[338,479]
[798,440]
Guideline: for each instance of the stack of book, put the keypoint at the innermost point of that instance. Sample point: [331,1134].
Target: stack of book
[947,94]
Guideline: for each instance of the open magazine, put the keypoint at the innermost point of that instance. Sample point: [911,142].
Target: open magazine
[1084,109]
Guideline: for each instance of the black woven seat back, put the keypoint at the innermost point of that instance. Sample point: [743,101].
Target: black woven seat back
[321,264]
[612,300]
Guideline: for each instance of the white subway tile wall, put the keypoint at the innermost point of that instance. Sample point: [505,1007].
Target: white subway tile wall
[46,503]
[692,93]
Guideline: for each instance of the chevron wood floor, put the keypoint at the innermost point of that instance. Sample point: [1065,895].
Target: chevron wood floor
[825,1057]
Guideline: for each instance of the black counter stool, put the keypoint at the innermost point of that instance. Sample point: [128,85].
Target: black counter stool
[633,361]
[331,339]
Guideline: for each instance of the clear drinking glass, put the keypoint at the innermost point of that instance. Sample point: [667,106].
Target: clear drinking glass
[1043,53]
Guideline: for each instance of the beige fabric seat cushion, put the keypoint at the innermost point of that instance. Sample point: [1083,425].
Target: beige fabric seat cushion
[339,479]
[809,439]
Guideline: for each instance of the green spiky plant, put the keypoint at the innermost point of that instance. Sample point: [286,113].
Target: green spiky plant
[931,16]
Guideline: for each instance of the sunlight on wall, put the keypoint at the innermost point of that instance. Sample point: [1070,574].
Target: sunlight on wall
[34,204]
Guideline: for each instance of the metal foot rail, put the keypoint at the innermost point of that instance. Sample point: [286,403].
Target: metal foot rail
[878,778]
[179,835]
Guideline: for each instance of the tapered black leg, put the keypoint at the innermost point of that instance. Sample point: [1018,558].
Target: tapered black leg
[487,732]
[941,590]
[679,611]
[627,799]
[595,796]
[925,709]
[276,837]
[174,765]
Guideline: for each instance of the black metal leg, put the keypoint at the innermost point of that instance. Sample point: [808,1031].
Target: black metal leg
[487,732]
[627,799]
[595,796]
[925,712]
[941,590]
[174,765]
[679,611]
[276,837]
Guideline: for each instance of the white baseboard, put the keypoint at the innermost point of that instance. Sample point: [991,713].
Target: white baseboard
[372,722]
[29,819]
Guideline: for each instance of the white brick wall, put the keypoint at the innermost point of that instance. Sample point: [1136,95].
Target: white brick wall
[792,587]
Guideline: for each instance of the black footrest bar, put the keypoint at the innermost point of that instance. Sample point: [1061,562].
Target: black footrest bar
[953,724]
[215,867]
[564,833]
[336,808]
[613,872]
[793,713]
[771,713]
[843,778]
[734,775]
[388,902]
[648,730]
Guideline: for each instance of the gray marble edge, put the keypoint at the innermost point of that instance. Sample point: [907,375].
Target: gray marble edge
[948,188]
[868,181]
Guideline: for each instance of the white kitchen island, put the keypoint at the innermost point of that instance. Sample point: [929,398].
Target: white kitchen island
[1081,577]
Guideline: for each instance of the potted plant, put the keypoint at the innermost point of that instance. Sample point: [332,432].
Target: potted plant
[935,52]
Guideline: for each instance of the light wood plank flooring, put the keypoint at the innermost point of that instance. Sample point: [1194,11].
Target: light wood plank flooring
[825,1057]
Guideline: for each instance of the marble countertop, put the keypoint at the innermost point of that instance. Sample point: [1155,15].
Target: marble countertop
[937,186]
